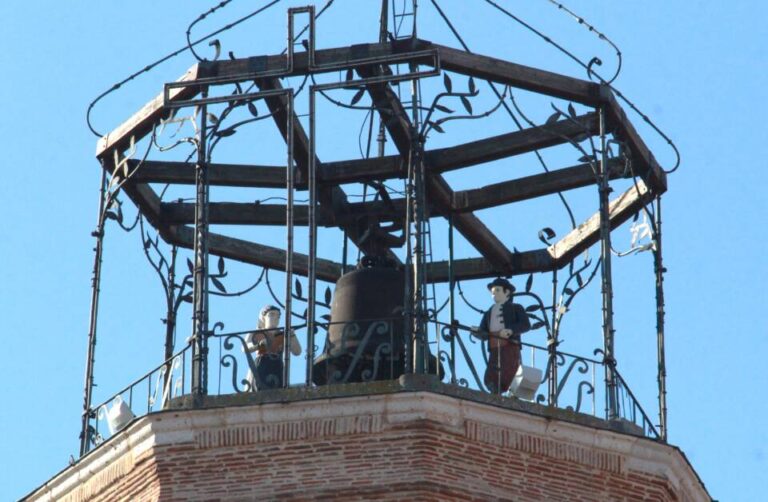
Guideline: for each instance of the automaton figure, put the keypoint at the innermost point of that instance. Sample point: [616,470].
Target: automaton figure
[502,324]
[268,342]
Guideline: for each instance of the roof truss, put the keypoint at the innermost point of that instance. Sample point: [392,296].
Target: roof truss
[495,258]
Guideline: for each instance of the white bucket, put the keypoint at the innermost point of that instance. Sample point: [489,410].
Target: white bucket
[119,415]
[526,382]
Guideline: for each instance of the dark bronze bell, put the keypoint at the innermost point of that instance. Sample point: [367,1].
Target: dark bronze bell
[365,337]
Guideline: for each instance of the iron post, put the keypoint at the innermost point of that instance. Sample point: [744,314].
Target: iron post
[312,279]
[200,331]
[660,334]
[85,433]
[606,277]
[289,239]
[552,346]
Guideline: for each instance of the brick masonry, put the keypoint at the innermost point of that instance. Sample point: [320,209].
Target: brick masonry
[400,446]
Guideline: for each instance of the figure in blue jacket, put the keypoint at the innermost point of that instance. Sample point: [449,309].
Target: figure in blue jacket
[503,324]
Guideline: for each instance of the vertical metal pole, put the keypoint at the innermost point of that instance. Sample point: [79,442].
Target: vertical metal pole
[607,282]
[85,435]
[408,271]
[415,8]
[344,246]
[312,240]
[289,52]
[382,138]
[289,244]
[417,169]
[383,21]
[200,333]
[170,320]
[662,374]
[452,298]
[552,345]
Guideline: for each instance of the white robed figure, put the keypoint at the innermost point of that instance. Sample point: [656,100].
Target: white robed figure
[267,341]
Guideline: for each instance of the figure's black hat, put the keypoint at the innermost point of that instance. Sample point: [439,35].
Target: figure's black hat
[503,283]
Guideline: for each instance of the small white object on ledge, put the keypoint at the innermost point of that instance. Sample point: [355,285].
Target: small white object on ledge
[526,382]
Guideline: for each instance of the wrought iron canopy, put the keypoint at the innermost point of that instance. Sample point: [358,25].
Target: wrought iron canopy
[371,63]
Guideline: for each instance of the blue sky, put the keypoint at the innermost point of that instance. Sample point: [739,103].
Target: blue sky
[696,68]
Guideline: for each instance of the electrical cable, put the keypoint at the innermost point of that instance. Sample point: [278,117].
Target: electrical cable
[591,72]
[165,58]
[506,107]
[200,18]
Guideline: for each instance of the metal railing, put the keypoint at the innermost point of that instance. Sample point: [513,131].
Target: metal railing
[151,392]
[373,350]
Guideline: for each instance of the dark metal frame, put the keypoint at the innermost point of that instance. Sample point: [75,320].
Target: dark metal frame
[427,195]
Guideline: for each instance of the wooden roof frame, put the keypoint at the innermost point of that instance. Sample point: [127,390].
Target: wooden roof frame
[170,219]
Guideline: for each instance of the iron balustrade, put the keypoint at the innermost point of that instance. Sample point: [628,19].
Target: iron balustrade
[151,392]
[366,351]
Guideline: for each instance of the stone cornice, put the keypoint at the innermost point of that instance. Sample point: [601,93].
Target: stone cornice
[491,422]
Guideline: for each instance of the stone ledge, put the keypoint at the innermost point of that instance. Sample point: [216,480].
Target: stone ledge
[406,383]
[343,412]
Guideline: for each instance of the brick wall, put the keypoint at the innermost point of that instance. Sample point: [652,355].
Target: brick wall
[407,446]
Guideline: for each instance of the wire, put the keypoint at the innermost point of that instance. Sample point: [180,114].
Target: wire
[173,54]
[506,107]
[600,35]
[591,72]
[200,18]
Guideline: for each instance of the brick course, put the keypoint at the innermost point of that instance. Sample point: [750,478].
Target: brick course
[401,447]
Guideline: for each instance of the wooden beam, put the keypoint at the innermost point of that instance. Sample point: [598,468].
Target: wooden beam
[326,60]
[529,187]
[556,256]
[256,254]
[235,175]
[439,194]
[582,237]
[358,56]
[362,170]
[142,122]
[515,75]
[143,196]
[514,143]
[648,168]
[235,213]
[249,213]
[331,198]
[527,262]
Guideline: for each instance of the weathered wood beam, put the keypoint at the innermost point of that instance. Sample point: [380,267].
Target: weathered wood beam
[646,165]
[237,213]
[357,56]
[439,194]
[256,254]
[249,213]
[142,122]
[529,187]
[234,175]
[507,145]
[554,257]
[326,60]
[350,57]
[582,237]
[362,170]
[526,262]
[143,196]
[330,197]
[469,225]
[515,75]
[464,155]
